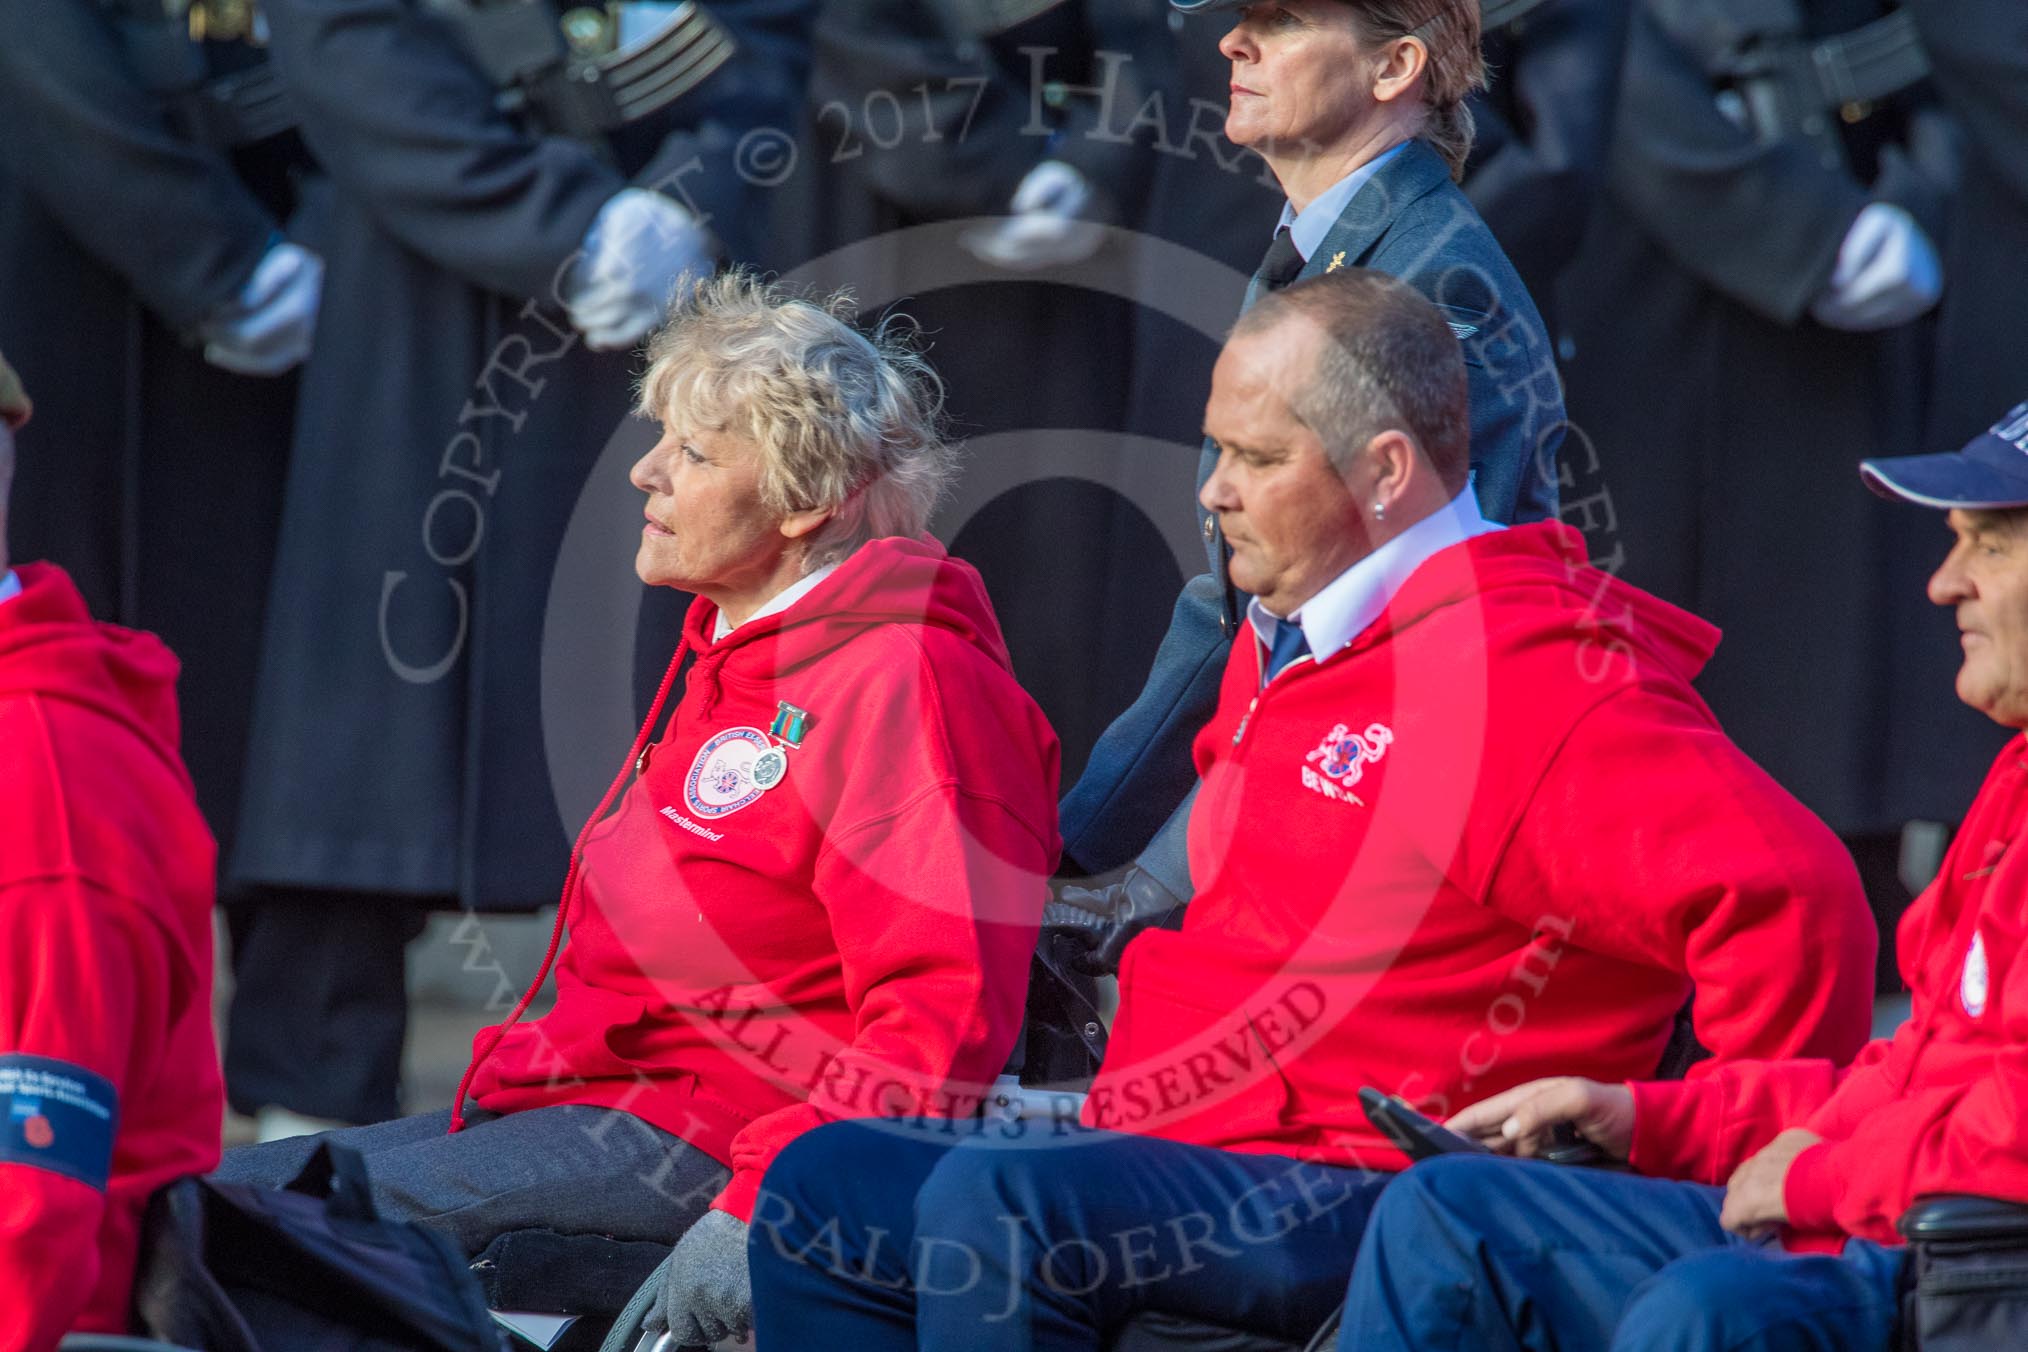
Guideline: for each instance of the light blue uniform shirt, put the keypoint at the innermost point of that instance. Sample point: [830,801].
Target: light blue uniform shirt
[1308,227]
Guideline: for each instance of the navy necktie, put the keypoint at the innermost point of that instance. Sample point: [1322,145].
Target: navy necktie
[1281,263]
[1289,644]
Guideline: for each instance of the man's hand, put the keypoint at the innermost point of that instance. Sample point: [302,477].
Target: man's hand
[639,247]
[1753,1195]
[706,1294]
[1520,1121]
[1103,919]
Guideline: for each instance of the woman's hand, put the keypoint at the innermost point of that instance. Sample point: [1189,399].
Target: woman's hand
[1520,1121]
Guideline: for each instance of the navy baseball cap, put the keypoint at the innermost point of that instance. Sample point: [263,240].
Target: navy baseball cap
[1990,473]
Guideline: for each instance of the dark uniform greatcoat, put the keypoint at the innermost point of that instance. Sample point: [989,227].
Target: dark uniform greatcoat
[914,131]
[152,476]
[1542,127]
[450,417]
[1718,426]
[1979,55]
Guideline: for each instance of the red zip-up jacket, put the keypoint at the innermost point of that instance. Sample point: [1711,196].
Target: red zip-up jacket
[109,1081]
[1496,837]
[756,953]
[1942,1106]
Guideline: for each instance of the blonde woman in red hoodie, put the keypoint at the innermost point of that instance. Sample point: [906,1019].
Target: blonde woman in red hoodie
[819,892]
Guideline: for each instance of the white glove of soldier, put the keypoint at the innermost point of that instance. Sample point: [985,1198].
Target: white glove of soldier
[267,328]
[639,246]
[1888,273]
[1047,227]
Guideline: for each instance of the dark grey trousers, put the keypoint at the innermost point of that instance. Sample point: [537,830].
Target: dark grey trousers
[572,1169]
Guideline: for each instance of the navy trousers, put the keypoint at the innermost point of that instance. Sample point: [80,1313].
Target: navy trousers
[1472,1252]
[320,1000]
[885,1235]
[572,1168]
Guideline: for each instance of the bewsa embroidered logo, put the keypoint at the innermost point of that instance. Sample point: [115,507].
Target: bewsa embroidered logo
[1341,759]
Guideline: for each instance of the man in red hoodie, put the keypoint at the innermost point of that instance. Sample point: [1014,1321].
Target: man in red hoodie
[1462,820]
[109,1081]
[1817,1162]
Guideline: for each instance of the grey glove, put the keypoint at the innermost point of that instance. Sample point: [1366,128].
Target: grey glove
[706,1295]
[1104,919]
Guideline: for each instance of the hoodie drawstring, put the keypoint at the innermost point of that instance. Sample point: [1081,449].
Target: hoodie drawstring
[570,885]
[707,673]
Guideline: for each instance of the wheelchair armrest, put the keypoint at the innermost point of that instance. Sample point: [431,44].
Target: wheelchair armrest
[114,1342]
[545,1272]
[1154,1331]
[1964,1217]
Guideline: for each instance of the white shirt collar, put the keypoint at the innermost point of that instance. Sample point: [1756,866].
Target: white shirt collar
[10,587]
[1356,597]
[1308,227]
[779,602]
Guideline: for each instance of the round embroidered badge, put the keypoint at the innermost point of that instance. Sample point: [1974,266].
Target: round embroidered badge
[722,779]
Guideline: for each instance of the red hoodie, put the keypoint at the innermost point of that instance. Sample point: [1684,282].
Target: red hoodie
[105,976]
[1941,1106]
[852,939]
[1496,837]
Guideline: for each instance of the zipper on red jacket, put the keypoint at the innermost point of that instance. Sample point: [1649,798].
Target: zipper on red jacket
[635,764]
[1259,684]
[1260,671]
[1926,1032]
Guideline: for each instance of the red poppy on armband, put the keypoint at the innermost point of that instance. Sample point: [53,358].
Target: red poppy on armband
[57,1116]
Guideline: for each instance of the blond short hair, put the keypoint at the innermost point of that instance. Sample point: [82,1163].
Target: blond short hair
[846,422]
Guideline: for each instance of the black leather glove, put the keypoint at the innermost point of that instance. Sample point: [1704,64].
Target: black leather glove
[1102,920]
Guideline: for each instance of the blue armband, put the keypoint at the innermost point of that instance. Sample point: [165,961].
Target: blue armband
[57,1116]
